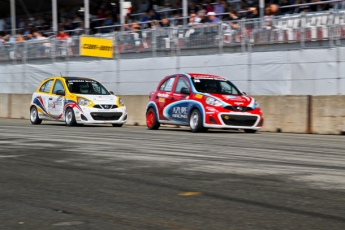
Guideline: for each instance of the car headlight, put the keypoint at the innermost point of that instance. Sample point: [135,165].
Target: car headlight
[121,102]
[83,101]
[213,101]
[256,104]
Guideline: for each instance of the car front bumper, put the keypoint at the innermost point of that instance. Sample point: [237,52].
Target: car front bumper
[101,116]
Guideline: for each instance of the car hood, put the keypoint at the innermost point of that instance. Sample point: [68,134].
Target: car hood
[100,99]
[235,100]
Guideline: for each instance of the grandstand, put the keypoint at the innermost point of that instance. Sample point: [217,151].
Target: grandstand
[157,30]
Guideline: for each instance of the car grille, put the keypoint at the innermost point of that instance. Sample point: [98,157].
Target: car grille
[105,106]
[239,120]
[238,108]
[106,116]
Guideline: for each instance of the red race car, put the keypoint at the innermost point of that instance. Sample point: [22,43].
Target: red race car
[202,101]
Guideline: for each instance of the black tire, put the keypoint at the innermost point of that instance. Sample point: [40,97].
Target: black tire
[35,120]
[250,131]
[152,120]
[195,121]
[70,117]
[117,125]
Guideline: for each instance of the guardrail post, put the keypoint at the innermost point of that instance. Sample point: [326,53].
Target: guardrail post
[154,42]
[330,27]
[243,35]
[116,50]
[53,53]
[302,29]
[221,38]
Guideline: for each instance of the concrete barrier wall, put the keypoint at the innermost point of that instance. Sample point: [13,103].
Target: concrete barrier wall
[293,114]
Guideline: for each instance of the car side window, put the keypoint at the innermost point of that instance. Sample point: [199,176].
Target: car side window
[58,86]
[45,88]
[167,85]
[182,83]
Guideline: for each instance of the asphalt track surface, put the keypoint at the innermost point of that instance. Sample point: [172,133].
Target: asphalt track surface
[101,177]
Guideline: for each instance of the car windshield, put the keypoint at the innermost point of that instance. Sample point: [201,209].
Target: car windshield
[215,86]
[81,86]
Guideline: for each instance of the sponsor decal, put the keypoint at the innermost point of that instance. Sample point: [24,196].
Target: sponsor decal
[165,95]
[202,76]
[210,108]
[79,80]
[199,96]
[238,103]
[210,112]
[179,112]
[161,99]
[96,47]
[230,97]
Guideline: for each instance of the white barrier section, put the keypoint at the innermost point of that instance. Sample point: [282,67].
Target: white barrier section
[302,72]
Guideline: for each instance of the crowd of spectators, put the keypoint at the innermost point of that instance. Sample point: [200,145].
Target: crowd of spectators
[145,14]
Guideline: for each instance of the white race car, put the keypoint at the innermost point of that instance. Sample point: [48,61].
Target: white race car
[76,100]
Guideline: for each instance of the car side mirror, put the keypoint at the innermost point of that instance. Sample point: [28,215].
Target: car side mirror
[111,92]
[60,92]
[185,90]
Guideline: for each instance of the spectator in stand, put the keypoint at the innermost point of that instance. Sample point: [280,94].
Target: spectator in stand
[232,19]
[20,38]
[155,24]
[219,7]
[68,25]
[192,8]
[165,23]
[212,17]
[22,23]
[209,8]
[193,20]
[252,13]
[62,35]
[201,10]
[29,37]
[126,27]
[150,16]
[1,39]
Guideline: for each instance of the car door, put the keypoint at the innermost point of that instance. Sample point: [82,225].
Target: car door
[56,102]
[164,96]
[179,110]
[42,99]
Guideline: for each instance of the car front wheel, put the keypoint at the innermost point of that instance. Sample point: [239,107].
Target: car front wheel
[70,117]
[152,120]
[195,121]
[34,116]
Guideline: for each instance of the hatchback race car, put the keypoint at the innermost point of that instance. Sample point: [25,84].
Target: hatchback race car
[202,101]
[76,100]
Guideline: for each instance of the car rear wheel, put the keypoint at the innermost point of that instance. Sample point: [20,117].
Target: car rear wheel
[152,120]
[34,116]
[250,131]
[117,125]
[195,121]
[70,117]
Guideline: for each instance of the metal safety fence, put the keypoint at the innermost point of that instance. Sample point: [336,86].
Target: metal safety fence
[325,29]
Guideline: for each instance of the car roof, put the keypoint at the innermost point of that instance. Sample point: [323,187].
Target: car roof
[205,76]
[77,78]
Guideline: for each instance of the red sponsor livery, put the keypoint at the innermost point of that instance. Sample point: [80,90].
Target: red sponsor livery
[202,101]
